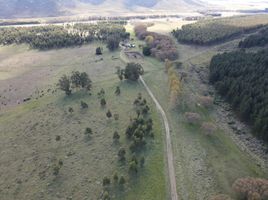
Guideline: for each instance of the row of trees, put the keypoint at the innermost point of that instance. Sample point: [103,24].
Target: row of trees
[77,80]
[48,37]
[175,85]
[243,79]
[260,39]
[160,46]
[216,30]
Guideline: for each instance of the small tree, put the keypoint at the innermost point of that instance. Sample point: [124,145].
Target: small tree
[71,110]
[116,136]
[109,114]
[98,51]
[121,154]
[115,177]
[146,51]
[133,167]
[117,91]
[106,195]
[116,117]
[142,161]
[83,105]
[103,102]
[88,131]
[65,85]
[208,128]
[58,138]
[192,118]
[106,181]
[122,180]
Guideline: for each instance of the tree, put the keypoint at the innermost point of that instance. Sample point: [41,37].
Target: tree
[192,118]
[85,81]
[113,42]
[109,114]
[83,105]
[146,51]
[133,71]
[65,84]
[117,91]
[98,51]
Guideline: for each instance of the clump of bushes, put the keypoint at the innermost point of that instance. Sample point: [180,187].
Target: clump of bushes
[131,72]
[160,46]
[77,80]
[251,188]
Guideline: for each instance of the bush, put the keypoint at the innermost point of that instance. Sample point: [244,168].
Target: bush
[106,181]
[192,118]
[98,51]
[65,85]
[220,197]
[83,105]
[206,101]
[208,128]
[103,102]
[122,180]
[251,188]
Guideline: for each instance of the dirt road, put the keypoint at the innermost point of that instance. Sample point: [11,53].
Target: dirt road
[171,170]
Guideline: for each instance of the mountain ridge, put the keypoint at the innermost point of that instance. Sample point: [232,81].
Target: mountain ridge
[52,8]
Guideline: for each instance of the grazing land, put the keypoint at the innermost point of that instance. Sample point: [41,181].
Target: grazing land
[30,149]
[102,137]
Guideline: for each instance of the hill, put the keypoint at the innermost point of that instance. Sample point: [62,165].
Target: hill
[48,8]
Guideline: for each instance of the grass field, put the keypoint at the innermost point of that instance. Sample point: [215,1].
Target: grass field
[28,131]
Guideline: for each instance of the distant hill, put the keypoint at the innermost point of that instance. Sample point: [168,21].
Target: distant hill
[46,8]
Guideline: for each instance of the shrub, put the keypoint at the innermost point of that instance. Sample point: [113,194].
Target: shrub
[146,51]
[88,131]
[106,181]
[220,197]
[121,154]
[83,105]
[116,136]
[109,114]
[122,180]
[208,128]
[206,101]
[98,51]
[192,118]
[65,85]
[103,102]
[251,188]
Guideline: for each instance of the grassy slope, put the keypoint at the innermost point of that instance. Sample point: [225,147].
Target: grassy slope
[28,137]
[204,165]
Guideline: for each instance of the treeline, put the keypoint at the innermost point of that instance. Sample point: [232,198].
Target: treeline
[159,46]
[257,40]
[48,37]
[206,32]
[243,79]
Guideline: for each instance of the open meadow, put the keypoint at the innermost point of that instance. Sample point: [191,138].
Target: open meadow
[28,131]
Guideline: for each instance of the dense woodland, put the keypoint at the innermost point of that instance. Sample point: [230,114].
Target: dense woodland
[243,79]
[160,46]
[217,30]
[257,40]
[48,37]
